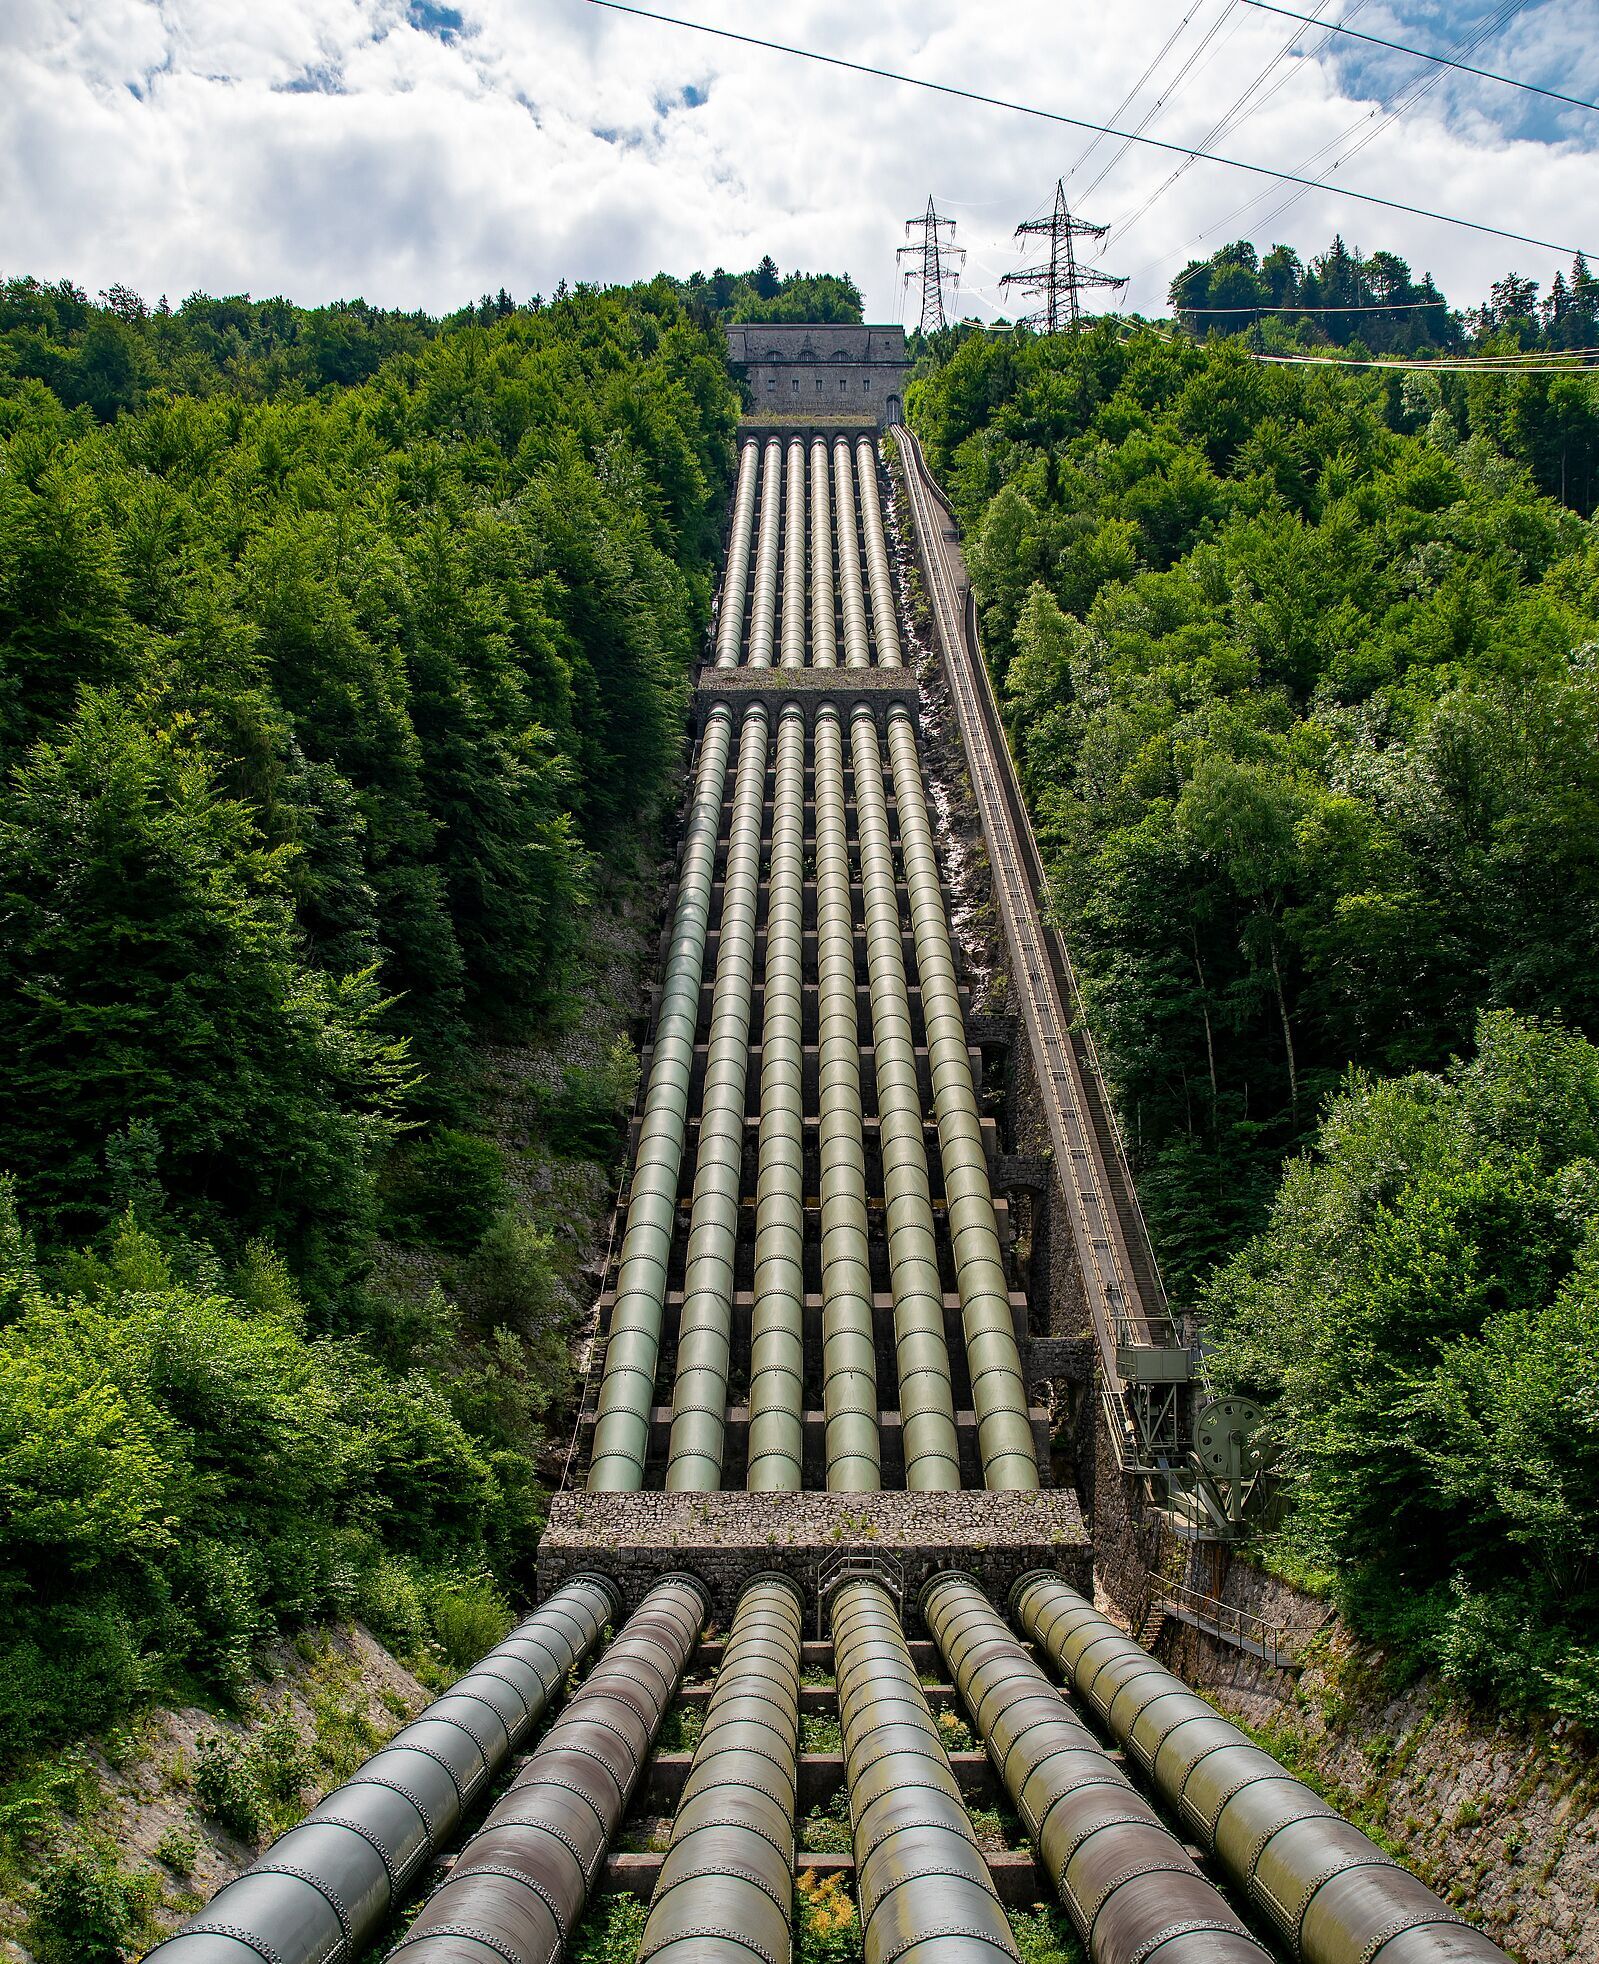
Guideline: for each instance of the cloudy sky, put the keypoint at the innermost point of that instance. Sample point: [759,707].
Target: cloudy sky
[419,153]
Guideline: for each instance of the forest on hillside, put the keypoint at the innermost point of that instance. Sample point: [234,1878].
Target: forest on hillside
[1301,672]
[343,658]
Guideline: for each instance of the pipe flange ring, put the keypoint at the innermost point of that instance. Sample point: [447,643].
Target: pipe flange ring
[449,1718]
[483,1671]
[1402,1923]
[567,1841]
[726,1936]
[922,1874]
[247,1938]
[738,1873]
[971,1930]
[405,1793]
[1266,1835]
[371,1840]
[463,1794]
[1194,1927]
[1375,1860]
[1159,1865]
[472,1933]
[328,1894]
[529,1882]
[571,1787]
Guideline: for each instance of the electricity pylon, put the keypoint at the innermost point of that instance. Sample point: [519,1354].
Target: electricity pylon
[1059,279]
[940,263]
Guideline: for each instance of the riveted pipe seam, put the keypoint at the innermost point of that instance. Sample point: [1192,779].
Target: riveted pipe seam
[1123,1878]
[1324,1887]
[849,1350]
[325,1888]
[735,584]
[926,1398]
[999,1392]
[521,1881]
[632,1352]
[908,1821]
[777,1331]
[763,614]
[704,1344]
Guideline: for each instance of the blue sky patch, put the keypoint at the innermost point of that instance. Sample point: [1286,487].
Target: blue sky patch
[431,17]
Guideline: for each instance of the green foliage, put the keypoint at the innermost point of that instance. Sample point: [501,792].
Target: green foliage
[765,294]
[1300,684]
[583,1117]
[826,1927]
[610,1931]
[251,1787]
[341,652]
[89,1910]
[1044,1935]
[1422,1314]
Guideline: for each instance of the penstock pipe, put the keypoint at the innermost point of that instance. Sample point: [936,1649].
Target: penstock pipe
[324,1890]
[1328,1892]
[519,1885]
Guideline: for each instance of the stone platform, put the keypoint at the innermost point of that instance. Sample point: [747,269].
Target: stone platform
[726,1538]
[777,687]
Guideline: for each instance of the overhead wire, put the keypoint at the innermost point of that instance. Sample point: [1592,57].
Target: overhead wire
[1424,54]
[1193,61]
[1127,100]
[1077,122]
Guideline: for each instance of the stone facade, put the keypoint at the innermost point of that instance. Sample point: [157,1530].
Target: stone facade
[827,375]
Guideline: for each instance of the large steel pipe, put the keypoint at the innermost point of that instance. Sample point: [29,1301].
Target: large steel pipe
[885,625]
[824,633]
[1328,1891]
[632,1352]
[857,644]
[326,1888]
[794,558]
[1127,1886]
[922,1887]
[705,1329]
[999,1391]
[735,583]
[518,1887]
[725,1892]
[763,614]
[926,1400]
[849,1350]
[777,1332]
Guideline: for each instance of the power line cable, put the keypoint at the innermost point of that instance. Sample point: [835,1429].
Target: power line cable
[1424,54]
[1127,100]
[1163,100]
[1083,123]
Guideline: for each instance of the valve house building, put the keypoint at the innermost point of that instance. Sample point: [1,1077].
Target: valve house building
[821,374]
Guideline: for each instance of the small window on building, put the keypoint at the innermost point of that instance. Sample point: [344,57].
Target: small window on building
[771,382]
[843,382]
[796,385]
[818,385]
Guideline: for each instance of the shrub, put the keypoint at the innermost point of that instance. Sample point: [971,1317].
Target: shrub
[583,1119]
[469,1615]
[88,1910]
[227,1787]
[179,1849]
[826,1930]
[446,1191]
[1043,1935]
[610,1933]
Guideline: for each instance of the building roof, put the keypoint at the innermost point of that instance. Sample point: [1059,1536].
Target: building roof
[813,341]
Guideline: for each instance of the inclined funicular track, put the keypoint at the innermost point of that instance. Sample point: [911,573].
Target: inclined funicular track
[816,1293]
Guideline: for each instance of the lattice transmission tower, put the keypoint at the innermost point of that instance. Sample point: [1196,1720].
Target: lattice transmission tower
[937,263]
[1060,278]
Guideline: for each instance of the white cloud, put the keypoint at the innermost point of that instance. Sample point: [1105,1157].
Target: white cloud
[327,147]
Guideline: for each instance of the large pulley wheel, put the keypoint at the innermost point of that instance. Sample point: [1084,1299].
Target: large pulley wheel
[1225,1437]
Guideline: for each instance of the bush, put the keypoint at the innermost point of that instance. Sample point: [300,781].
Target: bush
[583,1119]
[228,1789]
[1044,1936]
[610,1932]
[88,1910]
[446,1191]
[469,1616]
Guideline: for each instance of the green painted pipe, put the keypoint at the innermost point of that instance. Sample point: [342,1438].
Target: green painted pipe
[777,1333]
[704,1342]
[1328,1892]
[516,1890]
[632,1351]
[794,558]
[857,645]
[725,1894]
[824,638]
[735,583]
[885,624]
[999,1392]
[922,1887]
[849,1351]
[1127,1886]
[763,614]
[927,1406]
